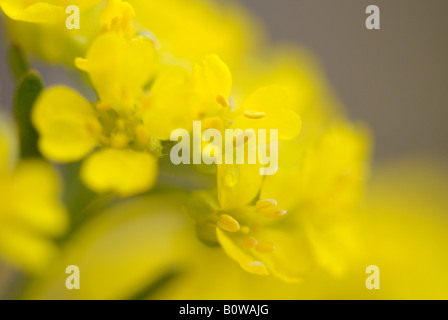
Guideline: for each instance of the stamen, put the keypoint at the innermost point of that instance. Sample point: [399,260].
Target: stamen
[249,243]
[266,204]
[254,114]
[228,223]
[222,101]
[265,247]
[275,213]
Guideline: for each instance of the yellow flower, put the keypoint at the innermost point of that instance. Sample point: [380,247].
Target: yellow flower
[148,237]
[119,66]
[298,211]
[39,11]
[198,28]
[31,215]
[179,96]
[70,129]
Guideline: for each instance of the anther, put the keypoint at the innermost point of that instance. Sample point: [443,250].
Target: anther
[249,243]
[254,114]
[228,223]
[275,213]
[222,101]
[266,204]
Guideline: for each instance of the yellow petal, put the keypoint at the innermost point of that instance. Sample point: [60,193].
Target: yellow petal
[246,262]
[24,249]
[336,167]
[120,68]
[237,184]
[36,187]
[117,14]
[292,257]
[30,215]
[272,101]
[124,172]
[136,243]
[214,76]
[173,103]
[198,28]
[66,123]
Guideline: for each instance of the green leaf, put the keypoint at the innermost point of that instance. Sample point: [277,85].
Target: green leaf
[26,94]
[18,62]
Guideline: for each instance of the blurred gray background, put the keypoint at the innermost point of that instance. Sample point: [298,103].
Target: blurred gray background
[395,79]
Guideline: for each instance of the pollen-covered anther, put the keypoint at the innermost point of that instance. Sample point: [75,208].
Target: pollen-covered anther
[249,243]
[228,223]
[275,213]
[264,247]
[222,101]
[266,204]
[254,114]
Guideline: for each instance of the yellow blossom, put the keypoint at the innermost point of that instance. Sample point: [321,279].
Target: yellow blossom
[283,234]
[31,215]
[119,66]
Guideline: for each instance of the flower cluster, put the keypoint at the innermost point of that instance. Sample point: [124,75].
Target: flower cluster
[160,66]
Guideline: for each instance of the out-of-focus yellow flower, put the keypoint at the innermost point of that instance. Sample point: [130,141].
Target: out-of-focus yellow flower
[121,251]
[119,66]
[198,28]
[56,44]
[296,221]
[30,212]
[299,74]
[42,11]
[330,171]
[402,230]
